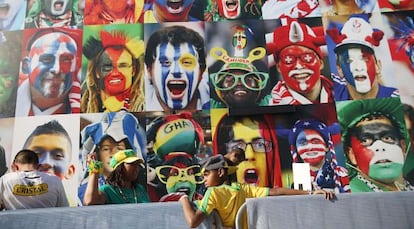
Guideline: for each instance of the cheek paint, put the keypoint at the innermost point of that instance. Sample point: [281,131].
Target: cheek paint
[363,155]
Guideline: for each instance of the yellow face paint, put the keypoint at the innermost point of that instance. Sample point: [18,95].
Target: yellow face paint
[253,170]
[188,62]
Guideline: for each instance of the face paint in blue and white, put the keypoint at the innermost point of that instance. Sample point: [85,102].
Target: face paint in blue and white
[176,74]
[359,68]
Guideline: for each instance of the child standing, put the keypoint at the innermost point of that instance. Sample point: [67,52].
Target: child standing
[227,198]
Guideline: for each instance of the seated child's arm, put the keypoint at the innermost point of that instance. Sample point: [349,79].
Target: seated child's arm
[192,216]
[277,191]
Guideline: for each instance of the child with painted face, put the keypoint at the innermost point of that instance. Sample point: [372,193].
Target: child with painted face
[359,70]
[296,49]
[175,61]
[225,197]
[374,140]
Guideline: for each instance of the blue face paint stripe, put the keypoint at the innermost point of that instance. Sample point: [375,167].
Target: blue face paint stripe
[164,72]
[346,68]
[191,76]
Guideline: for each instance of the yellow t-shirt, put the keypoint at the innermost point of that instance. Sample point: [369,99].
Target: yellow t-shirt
[227,200]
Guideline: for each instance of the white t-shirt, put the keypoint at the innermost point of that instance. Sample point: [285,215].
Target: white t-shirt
[31,189]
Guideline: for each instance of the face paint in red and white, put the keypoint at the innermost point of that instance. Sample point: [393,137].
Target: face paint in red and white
[176,72]
[52,62]
[359,68]
[230,9]
[115,70]
[310,146]
[173,10]
[300,67]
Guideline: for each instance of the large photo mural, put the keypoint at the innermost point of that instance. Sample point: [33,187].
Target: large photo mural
[88,83]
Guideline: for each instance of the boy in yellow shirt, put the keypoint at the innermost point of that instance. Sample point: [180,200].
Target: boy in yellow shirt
[225,197]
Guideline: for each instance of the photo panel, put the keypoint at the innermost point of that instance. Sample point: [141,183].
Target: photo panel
[55,139]
[175,64]
[13,15]
[220,10]
[297,62]
[176,145]
[312,135]
[375,142]
[360,58]
[276,9]
[6,144]
[250,142]
[104,134]
[237,64]
[113,75]
[399,29]
[102,12]
[10,47]
[49,80]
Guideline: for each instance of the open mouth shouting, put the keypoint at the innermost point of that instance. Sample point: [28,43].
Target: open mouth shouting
[251,176]
[231,5]
[176,88]
[4,10]
[58,5]
[175,6]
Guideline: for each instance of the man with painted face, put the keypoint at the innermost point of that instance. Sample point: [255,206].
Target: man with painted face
[359,70]
[54,13]
[12,16]
[53,145]
[52,65]
[296,50]
[114,73]
[374,139]
[175,59]
[255,136]
[169,11]
[310,142]
[176,140]
[238,83]
[217,10]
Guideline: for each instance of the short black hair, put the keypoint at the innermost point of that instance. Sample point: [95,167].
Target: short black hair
[175,35]
[26,156]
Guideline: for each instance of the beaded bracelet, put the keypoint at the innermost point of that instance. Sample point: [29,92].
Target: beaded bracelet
[95,167]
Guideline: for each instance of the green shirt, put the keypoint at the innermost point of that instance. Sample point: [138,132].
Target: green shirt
[115,195]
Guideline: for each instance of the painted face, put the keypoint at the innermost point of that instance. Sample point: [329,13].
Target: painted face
[240,95]
[115,6]
[176,74]
[9,10]
[173,10]
[311,147]
[247,137]
[300,67]
[107,148]
[239,39]
[115,70]
[56,7]
[377,150]
[179,177]
[8,82]
[52,63]
[54,153]
[359,68]
[230,9]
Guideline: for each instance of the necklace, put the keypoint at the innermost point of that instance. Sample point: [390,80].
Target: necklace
[125,198]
